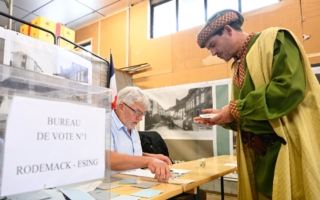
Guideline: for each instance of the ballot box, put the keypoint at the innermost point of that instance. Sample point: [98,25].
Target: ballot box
[54,133]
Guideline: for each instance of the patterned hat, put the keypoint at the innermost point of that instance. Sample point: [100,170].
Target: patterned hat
[217,21]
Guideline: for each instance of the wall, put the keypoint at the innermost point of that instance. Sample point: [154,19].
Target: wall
[176,59]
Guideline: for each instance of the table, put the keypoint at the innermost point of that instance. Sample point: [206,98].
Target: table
[215,168]
[169,190]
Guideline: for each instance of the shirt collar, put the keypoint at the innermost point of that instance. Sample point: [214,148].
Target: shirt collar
[117,121]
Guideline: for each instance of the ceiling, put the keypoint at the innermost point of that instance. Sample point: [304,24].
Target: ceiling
[72,13]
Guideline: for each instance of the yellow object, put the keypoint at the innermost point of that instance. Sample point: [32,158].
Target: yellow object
[297,174]
[66,33]
[25,29]
[56,28]
[46,24]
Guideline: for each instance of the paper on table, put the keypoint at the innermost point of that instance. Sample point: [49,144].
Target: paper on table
[145,184]
[147,173]
[125,197]
[112,179]
[53,194]
[139,172]
[90,186]
[107,186]
[128,181]
[147,193]
[104,195]
[75,193]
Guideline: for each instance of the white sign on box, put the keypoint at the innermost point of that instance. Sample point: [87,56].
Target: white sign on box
[51,143]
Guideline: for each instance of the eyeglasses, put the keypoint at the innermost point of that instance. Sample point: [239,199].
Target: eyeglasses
[136,112]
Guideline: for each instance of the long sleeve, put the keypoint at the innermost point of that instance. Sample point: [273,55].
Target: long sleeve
[286,89]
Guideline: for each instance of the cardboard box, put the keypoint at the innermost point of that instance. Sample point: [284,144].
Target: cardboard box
[57,28]
[25,29]
[46,24]
[67,33]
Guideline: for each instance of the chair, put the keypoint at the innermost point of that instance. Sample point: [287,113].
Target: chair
[152,142]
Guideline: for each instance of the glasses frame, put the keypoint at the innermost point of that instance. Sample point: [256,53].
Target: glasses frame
[136,112]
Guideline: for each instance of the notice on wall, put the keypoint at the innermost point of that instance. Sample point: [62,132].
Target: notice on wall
[51,143]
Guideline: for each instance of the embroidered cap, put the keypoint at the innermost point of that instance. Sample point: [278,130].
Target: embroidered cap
[216,22]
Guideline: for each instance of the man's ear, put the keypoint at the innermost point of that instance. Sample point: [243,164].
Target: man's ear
[120,106]
[228,29]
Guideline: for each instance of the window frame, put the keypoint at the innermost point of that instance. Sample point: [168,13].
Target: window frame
[155,3]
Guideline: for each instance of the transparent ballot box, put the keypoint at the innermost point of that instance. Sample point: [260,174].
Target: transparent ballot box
[54,135]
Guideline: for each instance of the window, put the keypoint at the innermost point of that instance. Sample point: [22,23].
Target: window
[191,14]
[169,16]
[164,19]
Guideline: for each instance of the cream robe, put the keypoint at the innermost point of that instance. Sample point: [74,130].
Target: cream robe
[297,174]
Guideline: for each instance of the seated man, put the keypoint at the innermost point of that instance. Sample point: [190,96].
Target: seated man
[126,151]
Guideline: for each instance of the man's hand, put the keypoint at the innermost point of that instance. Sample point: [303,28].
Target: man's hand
[206,121]
[160,169]
[223,116]
[160,157]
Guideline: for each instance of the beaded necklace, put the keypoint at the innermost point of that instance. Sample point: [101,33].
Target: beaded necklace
[240,71]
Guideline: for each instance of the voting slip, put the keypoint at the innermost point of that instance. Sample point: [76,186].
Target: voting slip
[128,181]
[147,193]
[53,194]
[147,173]
[145,184]
[107,186]
[111,179]
[125,197]
[104,195]
[75,193]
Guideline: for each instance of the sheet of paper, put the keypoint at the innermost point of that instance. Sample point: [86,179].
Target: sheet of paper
[147,193]
[55,194]
[147,173]
[96,191]
[41,195]
[107,180]
[145,184]
[128,181]
[104,195]
[77,194]
[90,186]
[107,186]
[139,172]
[125,197]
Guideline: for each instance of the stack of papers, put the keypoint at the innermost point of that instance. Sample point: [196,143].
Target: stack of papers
[147,173]
[145,184]
[128,181]
[147,193]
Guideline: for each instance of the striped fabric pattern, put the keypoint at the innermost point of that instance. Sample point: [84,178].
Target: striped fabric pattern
[214,26]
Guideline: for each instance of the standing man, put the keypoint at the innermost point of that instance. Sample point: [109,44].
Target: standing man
[126,151]
[275,109]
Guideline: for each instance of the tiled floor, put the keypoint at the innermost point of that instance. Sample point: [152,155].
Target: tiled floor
[211,196]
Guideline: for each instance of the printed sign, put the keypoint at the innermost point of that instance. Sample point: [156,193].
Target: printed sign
[51,143]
